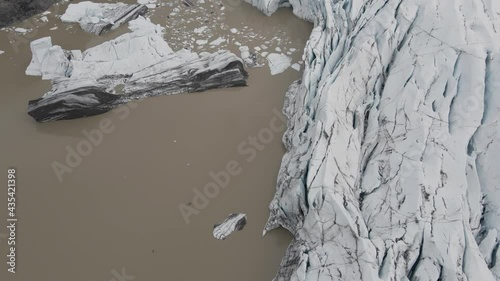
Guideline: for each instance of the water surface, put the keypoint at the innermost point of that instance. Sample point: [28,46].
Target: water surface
[119,208]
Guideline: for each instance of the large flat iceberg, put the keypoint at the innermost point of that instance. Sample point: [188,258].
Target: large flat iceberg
[140,64]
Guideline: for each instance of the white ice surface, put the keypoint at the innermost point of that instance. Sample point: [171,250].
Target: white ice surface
[87,12]
[92,15]
[218,41]
[278,63]
[393,141]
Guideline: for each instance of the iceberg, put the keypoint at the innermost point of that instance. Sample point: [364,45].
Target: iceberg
[98,18]
[249,58]
[136,65]
[234,222]
[391,169]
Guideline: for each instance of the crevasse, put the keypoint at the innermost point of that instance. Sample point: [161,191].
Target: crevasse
[391,168]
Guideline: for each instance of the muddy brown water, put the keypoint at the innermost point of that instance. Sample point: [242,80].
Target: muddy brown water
[119,208]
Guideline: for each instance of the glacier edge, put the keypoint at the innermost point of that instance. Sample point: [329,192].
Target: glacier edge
[391,142]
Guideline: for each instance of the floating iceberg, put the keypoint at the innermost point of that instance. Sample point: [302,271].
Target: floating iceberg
[140,64]
[151,4]
[393,141]
[98,18]
[235,222]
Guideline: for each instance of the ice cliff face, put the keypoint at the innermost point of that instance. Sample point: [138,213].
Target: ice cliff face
[391,171]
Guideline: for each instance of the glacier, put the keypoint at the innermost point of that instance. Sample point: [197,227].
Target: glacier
[392,142]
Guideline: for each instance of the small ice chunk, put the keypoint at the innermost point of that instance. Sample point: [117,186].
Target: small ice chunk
[264,54]
[218,41]
[200,29]
[201,1]
[237,43]
[53,28]
[21,30]
[97,18]
[44,19]
[233,30]
[46,13]
[201,42]
[235,222]
[257,48]
[264,47]
[296,66]
[289,53]
[278,63]
[293,50]
[1,52]
[278,49]
[487,246]
[143,25]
